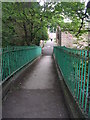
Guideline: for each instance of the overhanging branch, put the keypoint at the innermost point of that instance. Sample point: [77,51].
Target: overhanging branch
[82,19]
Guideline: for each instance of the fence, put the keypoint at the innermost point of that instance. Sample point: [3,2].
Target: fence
[75,68]
[14,58]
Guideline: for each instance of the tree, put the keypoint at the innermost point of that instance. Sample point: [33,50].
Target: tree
[21,23]
[27,23]
[74,11]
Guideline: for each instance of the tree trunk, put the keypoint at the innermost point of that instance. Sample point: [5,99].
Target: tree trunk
[26,34]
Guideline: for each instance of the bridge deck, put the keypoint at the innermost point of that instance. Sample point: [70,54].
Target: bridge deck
[38,94]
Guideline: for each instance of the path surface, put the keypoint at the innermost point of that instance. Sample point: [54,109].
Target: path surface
[38,95]
[48,48]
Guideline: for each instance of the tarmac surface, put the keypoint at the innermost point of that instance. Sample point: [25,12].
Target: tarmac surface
[48,48]
[38,94]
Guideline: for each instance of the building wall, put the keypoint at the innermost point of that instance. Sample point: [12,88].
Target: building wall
[66,39]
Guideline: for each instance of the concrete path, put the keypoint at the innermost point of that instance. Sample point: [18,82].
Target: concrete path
[48,47]
[38,94]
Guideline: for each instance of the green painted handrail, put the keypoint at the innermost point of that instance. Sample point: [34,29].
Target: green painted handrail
[14,58]
[75,68]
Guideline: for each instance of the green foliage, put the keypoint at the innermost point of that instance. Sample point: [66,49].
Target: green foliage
[74,11]
[26,23]
[41,35]
[22,24]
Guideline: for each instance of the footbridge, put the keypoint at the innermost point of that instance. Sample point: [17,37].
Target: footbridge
[52,82]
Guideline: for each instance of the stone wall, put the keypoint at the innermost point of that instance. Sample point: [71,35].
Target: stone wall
[66,39]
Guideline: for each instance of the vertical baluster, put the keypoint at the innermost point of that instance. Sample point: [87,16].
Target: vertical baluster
[87,90]
[79,76]
[76,74]
[8,61]
[81,81]
[89,82]
[84,80]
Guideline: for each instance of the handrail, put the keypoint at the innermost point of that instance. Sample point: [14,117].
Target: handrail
[14,58]
[75,66]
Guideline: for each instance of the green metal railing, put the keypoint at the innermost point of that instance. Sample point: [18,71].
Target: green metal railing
[75,68]
[14,58]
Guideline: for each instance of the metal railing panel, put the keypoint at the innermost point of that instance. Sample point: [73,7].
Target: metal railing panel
[14,58]
[75,68]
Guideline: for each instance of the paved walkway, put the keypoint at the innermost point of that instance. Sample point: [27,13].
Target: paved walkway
[48,48]
[38,95]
